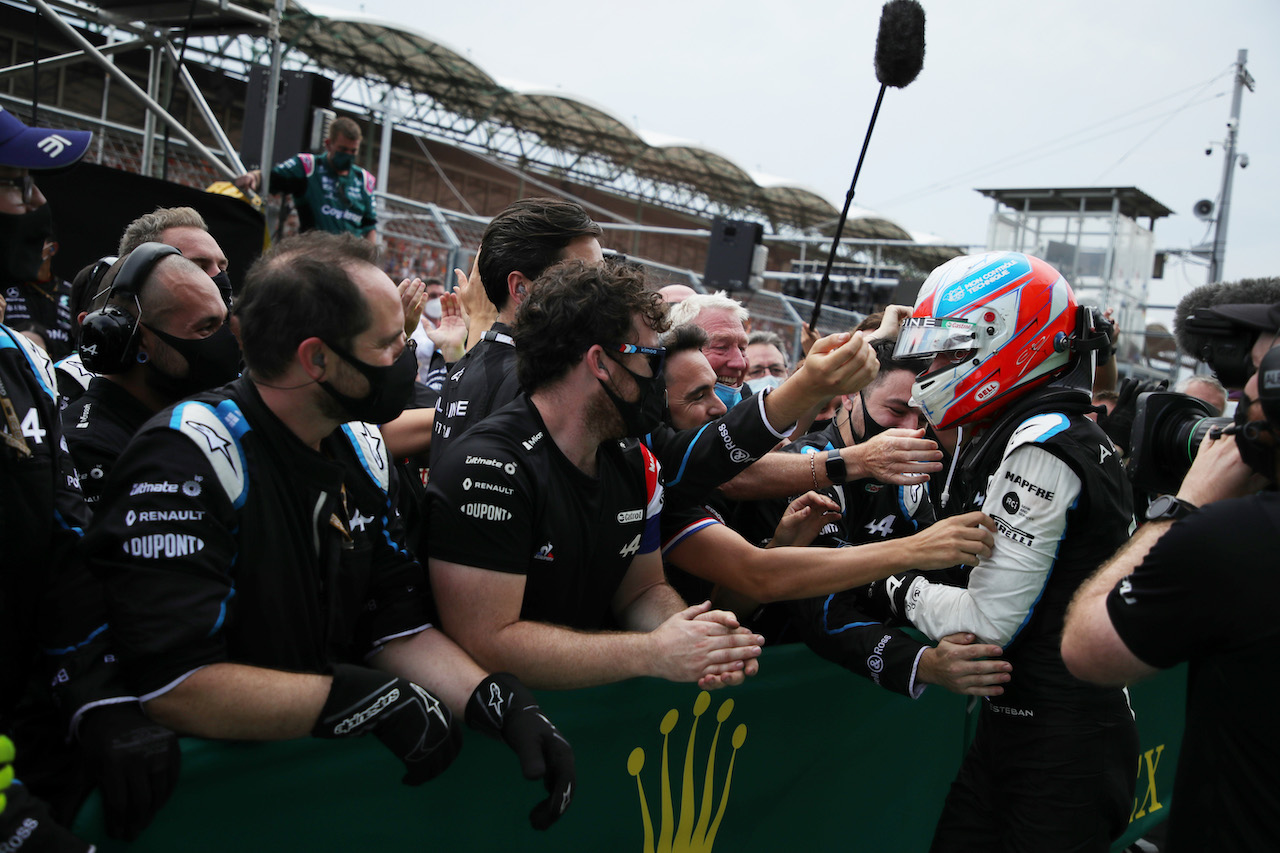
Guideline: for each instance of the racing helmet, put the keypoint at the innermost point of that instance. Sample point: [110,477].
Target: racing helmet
[1004,323]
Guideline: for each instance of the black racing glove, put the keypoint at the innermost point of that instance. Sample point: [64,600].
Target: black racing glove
[25,823]
[135,762]
[1109,329]
[409,721]
[502,707]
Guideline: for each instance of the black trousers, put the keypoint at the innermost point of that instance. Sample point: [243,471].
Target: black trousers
[1028,786]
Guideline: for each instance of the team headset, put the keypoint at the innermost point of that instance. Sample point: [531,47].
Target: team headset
[109,335]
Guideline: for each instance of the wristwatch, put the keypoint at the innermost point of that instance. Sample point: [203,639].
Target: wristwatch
[1169,508]
[836,470]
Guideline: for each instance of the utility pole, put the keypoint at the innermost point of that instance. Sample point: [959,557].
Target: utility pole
[1243,79]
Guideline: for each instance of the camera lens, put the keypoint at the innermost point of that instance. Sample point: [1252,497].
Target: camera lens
[1167,431]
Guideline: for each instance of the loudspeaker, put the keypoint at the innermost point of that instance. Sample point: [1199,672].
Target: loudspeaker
[301,94]
[1203,210]
[730,254]
[108,336]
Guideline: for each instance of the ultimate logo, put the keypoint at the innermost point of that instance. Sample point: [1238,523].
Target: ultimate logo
[684,836]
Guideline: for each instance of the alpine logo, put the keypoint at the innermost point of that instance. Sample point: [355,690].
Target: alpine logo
[358,521]
[1125,590]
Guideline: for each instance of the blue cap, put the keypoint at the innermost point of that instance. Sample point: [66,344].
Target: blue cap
[25,147]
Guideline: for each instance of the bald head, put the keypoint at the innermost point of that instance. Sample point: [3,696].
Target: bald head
[180,298]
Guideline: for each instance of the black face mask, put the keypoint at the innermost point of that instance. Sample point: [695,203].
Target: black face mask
[390,387]
[870,426]
[1256,452]
[645,414]
[224,286]
[22,237]
[211,362]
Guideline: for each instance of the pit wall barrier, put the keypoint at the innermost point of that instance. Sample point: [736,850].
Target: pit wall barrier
[804,756]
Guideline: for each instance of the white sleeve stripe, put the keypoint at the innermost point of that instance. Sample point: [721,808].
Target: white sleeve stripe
[786,433]
[686,532]
[147,697]
[382,641]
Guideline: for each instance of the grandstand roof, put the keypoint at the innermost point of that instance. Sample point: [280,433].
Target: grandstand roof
[367,47]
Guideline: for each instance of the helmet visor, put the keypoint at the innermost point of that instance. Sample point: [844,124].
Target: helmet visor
[928,336]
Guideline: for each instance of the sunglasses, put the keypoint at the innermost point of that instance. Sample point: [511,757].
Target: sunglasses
[655,355]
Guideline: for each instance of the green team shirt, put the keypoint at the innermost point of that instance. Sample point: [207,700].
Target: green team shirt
[325,199]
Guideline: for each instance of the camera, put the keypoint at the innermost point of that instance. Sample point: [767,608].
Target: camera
[1223,344]
[1167,430]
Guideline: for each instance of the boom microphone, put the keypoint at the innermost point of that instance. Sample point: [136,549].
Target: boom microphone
[900,43]
[1244,292]
[899,58]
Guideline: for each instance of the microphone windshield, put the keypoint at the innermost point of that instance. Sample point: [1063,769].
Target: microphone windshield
[900,43]
[1245,291]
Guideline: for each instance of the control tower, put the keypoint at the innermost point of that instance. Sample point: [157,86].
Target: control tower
[1092,235]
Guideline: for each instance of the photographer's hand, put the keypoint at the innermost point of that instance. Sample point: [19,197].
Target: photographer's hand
[1218,473]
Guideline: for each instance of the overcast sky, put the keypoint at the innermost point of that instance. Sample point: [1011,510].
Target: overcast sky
[1014,93]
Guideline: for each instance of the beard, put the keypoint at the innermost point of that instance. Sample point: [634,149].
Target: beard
[604,417]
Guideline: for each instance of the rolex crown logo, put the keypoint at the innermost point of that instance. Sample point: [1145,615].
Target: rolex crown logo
[684,836]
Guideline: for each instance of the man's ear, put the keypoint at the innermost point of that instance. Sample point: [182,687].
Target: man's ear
[595,359]
[517,286]
[313,356]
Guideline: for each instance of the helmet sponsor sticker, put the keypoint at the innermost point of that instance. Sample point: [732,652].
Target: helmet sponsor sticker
[986,391]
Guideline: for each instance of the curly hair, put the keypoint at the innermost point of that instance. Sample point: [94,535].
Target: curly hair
[529,236]
[573,306]
[302,289]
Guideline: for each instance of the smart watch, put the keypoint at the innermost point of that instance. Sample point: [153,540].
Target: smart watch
[1169,508]
[836,470]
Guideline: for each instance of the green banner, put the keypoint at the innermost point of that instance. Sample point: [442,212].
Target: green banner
[804,756]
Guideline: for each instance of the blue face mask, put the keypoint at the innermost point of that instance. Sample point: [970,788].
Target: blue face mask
[763,382]
[729,395]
